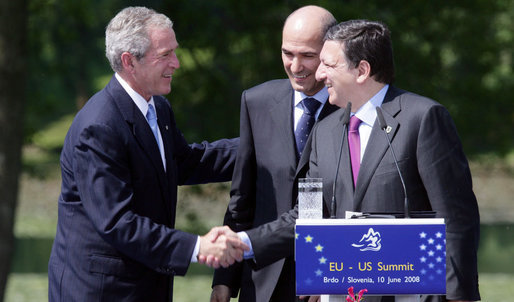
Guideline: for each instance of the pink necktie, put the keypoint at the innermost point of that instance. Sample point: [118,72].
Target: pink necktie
[355,146]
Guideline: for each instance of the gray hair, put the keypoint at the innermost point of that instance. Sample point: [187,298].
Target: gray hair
[128,32]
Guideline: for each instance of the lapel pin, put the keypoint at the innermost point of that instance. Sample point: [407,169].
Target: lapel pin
[166,127]
[388,129]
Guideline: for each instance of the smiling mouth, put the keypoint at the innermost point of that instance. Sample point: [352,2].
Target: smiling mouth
[300,77]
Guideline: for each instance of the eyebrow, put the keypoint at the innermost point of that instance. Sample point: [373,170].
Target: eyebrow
[302,52]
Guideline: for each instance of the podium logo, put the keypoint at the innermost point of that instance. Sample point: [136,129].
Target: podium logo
[369,241]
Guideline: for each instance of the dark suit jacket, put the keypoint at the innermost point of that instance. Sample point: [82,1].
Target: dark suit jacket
[435,171]
[115,239]
[262,185]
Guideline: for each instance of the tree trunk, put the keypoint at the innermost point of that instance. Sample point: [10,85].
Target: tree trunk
[13,16]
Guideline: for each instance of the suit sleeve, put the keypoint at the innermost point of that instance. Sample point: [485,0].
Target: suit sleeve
[445,173]
[205,162]
[275,240]
[241,208]
[106,190]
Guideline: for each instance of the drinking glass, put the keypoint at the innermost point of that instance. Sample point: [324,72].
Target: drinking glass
[310,198]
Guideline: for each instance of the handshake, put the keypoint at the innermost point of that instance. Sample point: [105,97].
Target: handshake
[221,247]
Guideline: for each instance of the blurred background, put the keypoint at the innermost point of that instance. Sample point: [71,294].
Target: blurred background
[52,60]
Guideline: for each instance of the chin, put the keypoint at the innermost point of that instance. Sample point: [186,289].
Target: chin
[336,102]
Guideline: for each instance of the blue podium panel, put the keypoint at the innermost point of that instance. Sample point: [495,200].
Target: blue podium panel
[384,256]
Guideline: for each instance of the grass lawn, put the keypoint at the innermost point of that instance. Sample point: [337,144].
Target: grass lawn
[195,288]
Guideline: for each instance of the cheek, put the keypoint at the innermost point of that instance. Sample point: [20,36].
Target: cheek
[313,65]
[286,62]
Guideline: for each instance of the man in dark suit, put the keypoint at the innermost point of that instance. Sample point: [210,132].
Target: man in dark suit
[357,67]
[115,236]
[269,153]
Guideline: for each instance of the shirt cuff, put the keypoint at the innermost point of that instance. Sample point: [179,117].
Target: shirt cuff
[194,257]
[246,240]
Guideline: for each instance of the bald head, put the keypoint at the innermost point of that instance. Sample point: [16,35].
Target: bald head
[311,18]
[302,41]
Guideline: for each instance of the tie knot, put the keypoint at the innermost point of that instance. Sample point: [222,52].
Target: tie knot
[150,114]
[310,105]
[354,123]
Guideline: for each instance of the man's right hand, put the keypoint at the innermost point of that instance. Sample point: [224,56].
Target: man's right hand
[221,246]
[220,293]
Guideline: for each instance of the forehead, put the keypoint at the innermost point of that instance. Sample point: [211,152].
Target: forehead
[162,39]
[302,37]
[332,51]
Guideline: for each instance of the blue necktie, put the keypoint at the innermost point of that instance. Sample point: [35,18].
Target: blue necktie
[152,121]
[304,126]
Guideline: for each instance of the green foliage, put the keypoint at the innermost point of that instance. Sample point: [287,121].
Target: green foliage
[459,53]
[66,55]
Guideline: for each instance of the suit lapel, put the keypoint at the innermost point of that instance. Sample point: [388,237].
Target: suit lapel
[164,123]
[281,113]
[141,131]
[377,145]
[146,140]
[139,126]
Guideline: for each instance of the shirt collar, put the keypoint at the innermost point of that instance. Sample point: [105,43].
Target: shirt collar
[140,102]
[367,113]
[321,96]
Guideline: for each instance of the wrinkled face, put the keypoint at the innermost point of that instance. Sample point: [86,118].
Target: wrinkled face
[153,73]
[300,55]
[337,75]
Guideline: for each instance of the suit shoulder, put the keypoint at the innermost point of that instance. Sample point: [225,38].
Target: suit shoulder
[98,105]
[159,99]
[277,83]
[100,109]
[413,100]
[268,89]
[418,107]
[332,119]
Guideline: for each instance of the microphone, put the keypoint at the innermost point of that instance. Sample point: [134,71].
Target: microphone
[344,120]
[383,126]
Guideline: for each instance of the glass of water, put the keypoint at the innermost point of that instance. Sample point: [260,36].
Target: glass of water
[310,198]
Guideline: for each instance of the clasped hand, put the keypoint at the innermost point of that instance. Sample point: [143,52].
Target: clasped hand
[221,247]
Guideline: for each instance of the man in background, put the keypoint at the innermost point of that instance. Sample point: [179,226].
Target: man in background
[121,162]
[276,119]
[357,66]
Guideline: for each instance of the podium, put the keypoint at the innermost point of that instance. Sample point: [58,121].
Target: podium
[398,257]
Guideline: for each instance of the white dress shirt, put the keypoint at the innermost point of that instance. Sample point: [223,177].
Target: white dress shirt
[368,114]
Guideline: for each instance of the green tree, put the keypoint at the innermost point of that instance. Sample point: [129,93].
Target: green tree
[457,52]
[12,98]
[66,42]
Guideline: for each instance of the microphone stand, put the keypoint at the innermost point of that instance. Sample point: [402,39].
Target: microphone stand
[383,126]
[344,120]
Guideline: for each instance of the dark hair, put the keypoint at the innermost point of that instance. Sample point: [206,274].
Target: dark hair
[369,41]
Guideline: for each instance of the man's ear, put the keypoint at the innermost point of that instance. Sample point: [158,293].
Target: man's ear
[364,71]
[127,60]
